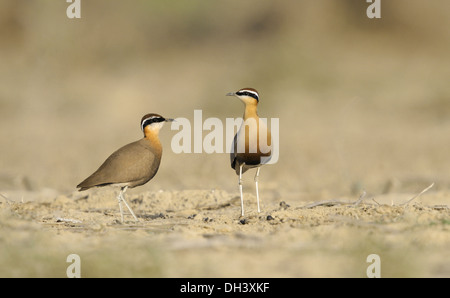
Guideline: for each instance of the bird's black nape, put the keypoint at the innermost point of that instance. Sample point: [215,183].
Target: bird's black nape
[249,92]
[151,118]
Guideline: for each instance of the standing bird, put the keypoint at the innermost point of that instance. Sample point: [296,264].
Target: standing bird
[133,164]
[252,144]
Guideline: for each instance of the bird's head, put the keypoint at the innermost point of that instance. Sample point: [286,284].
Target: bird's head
[152,123]
[246,95]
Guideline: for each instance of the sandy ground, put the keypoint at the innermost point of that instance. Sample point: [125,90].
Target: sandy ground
[199,233]
[363,107]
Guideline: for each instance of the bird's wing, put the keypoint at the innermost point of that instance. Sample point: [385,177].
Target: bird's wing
[130,163]
[233,152]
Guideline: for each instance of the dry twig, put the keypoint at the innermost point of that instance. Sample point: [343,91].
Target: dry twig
[418,195]
[361,198]
[6,199]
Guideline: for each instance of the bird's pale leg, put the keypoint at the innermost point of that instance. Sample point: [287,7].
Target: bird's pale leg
[124,189]
[256,184]
[120,198]
[240,190]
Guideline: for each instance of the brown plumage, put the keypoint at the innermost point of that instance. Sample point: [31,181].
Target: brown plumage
[132,165]
[252,143]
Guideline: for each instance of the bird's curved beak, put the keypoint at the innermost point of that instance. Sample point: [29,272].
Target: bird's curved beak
[231,94]
[169,120]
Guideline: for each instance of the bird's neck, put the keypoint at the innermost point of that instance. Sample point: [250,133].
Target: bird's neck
[152,135]
[250,111]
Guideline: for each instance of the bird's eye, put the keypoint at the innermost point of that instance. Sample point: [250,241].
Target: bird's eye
[151,120]
[248,93]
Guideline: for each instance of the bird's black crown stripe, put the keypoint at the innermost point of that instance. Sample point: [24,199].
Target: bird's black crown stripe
[248,93]
[151,120]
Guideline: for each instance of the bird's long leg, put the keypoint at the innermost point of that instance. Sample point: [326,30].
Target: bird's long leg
[124,189]
[120,198]
[256,184]
[240,190]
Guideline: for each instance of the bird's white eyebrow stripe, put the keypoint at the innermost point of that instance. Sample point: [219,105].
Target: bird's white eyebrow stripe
[249,91]
[149,118]
[243,91]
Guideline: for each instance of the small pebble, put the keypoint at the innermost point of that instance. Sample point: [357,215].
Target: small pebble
[243,221]
[284,205]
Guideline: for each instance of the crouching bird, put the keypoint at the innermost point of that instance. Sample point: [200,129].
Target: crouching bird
[132,165]
[252,144]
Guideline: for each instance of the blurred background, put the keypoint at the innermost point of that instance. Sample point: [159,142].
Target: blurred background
[363,103]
